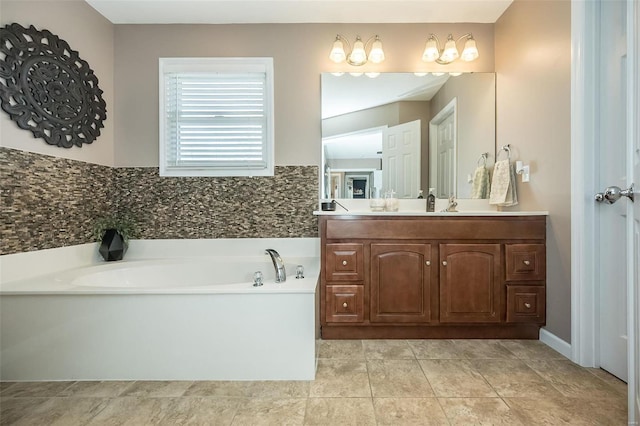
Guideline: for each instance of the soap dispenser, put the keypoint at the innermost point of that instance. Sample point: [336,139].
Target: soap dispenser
[431,201]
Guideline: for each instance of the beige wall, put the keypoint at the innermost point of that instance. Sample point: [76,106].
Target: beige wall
[300,53]
[533,66]
[91,35]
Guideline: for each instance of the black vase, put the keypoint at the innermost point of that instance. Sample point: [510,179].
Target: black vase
[113,246]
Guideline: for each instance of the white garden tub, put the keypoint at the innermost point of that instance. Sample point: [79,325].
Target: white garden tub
[191,317]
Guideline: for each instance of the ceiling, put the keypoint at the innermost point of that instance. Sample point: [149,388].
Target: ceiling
[298,11]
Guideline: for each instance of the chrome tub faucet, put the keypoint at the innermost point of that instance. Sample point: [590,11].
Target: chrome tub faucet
[278,264]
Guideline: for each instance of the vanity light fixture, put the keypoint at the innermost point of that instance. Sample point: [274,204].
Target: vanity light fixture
[449,53]
[358,55]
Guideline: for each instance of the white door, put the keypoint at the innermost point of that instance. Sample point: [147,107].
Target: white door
[401,159]
[443,140]
[612,249]
[604,77]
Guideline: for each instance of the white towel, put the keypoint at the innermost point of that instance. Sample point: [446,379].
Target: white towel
[503,185]
[481,183]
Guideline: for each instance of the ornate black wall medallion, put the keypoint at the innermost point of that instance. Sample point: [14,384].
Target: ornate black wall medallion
[45,87]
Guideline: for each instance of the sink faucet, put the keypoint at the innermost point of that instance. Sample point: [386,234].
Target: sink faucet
[278,264]
[451,207]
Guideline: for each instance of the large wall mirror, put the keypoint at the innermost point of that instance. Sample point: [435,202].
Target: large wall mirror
[406,133]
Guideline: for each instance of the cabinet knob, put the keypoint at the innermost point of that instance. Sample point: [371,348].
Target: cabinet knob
[526,262]
[344,262]
[428,263]
[344,305]
[526,305]
[444,263]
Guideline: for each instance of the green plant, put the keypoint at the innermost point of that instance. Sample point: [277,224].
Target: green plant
[125,226]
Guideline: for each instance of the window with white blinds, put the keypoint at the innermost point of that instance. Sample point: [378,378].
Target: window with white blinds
[216,117]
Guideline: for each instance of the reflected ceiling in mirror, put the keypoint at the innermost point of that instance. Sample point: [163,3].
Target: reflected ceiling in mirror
[342,94]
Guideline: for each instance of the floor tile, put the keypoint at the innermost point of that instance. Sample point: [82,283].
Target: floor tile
[563,410]
[341,349]
[6,385]
[409,411]
[530,349]
[150,389]
[133,411]
[197,411]
[340,378]
[483,349]
[12,409]
[435,349]
[479,411]
[398,378]
[281,412]
[340,411]
[513,378]
[218,388]
[278,389]
[96,389]
[64,412]
[618,385]
[387,349]
[455,378]
[36,389]
[572,380]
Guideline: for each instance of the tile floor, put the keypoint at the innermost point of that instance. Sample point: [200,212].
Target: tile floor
[368,382]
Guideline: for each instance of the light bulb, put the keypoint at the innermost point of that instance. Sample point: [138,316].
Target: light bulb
[358,56]
[431,51]
[337,54]
[450,52]
[470,51]
[377,54]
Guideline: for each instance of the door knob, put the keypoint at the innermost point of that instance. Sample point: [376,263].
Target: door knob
[613,194]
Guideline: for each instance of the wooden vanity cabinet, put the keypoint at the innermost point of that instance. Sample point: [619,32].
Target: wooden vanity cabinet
[432,277]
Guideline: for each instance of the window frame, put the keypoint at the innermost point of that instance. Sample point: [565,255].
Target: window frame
[217,65]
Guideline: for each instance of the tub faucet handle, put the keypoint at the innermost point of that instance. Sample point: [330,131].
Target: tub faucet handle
[257,279]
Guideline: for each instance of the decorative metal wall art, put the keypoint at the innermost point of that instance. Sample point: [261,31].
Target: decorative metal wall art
[47,88]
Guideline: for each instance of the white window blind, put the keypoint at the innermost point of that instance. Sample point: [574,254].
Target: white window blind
[217,118]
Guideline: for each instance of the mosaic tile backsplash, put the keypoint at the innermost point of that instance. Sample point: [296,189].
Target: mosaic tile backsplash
[48,202]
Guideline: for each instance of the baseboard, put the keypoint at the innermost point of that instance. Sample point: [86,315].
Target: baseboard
[556,343]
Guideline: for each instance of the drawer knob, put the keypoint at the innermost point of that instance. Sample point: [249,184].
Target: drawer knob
[344,262]
[444,263]
[526,262]
[526,305]
[428,263]
[344,305]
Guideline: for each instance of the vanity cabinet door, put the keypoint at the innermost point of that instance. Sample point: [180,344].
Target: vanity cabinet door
[470,283]
[401,277]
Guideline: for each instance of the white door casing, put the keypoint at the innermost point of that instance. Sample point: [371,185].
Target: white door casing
[443,143]
[633,209]
[401,159]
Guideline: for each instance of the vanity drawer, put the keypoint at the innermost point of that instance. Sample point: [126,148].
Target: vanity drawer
[345,262]
[525,262]
[345,303]
[526,304]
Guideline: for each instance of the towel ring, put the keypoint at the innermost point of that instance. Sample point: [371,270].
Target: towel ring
[483,157]
[507,148]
